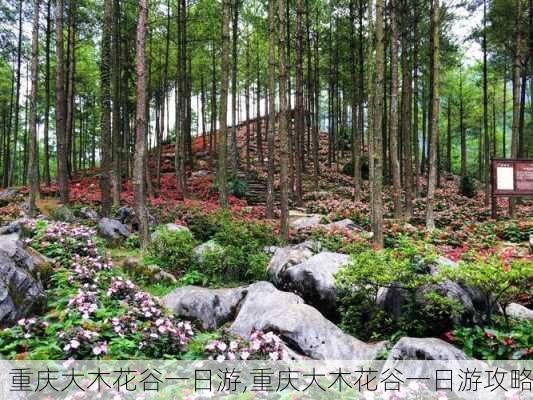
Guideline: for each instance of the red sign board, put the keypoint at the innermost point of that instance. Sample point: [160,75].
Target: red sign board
[511,177]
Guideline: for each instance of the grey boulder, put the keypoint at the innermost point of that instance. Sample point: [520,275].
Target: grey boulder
[518,311]
[343,225]
[286,257]
[63,213]
[89,213]
[212,307]
[200,251]
[314,280]
[170,228]
[408,348]
[21,293]
[112,230]
[306,221]
[303,328]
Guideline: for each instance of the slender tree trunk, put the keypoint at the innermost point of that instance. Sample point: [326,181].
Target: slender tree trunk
[34,148]
[139,188]
[449,138]
[271,108]
[116,181]
[316,128]
[486,172]
[406,115]
[105,104]
[393,125]
[464,171]
[299,112]
[62,155]
[13,164]
[416,144]
[259,135]
[517,68]
[504,112]
[46,140]
[234,153]
[71,60]
[223,145]
[181,103]
[282,130]
[376,154]
[434,122]
[247,103]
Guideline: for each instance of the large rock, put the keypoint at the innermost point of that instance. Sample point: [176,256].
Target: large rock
[112,230]
[170,228]
[212,307]
[126,215]
[518,311]
[474,303]
[88,213]
[306,221]
[343,225]
[288,256]
[314,280]
[12,227]
[408,348]
[21,293]
[200,251]
[63,213]
[302,327]
[8,196]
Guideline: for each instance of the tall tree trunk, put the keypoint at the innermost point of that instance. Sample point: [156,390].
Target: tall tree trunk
[517,68]
[504,112]
[393,125]
[47,97]
[434,104]
[139,187]
[105,104]
[247,102]
[234,153]
[71,59]
[116,181]
[316,128]
[181,103]
[283,138]
[486,171]
[13,164]
[464,171]
[34,148]
[299,114]
[416,145]
[271,108]
[62,155]
[376,154]
[356,143]
[223,145]
[259,135]
[449,138]
[406,114]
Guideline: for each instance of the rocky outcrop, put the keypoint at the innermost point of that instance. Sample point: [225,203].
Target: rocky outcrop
[63,213]
[88,213]
[21,293]
[302,327]
[343,225]
[408,348]
[8,196]
[126,215]
[212,307]
[210,246]
[288,256]
[112,230]
[306,221]
[314,280]
[151,273]
[170,228]
[518,311]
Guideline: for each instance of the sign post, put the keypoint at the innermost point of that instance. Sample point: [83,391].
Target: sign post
[510,178]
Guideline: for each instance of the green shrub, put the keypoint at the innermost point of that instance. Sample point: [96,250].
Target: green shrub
[495,343]
[173,249]
[423,312]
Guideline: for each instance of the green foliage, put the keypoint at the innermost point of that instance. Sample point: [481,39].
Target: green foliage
[495,343]
[423,312]
[173,249]
[467,187]
[500,281]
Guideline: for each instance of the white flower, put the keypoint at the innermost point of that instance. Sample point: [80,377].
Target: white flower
[74,344]
[221,358]
[222,346]
[245,355]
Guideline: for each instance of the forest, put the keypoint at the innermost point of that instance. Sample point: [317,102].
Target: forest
[173,173]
